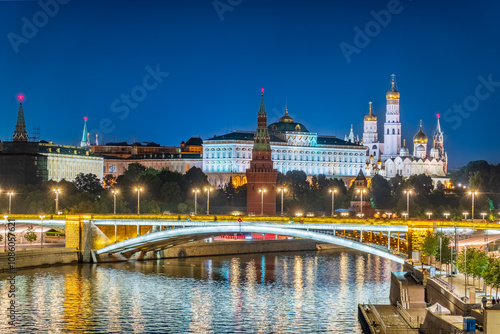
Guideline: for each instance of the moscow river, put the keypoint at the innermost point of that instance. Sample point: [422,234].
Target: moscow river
[306,292]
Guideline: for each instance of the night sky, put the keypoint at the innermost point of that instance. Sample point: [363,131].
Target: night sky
[209,60]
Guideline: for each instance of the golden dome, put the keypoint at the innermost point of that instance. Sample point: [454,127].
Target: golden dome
[286,118]
[420,137]
[370,116]
[392,93]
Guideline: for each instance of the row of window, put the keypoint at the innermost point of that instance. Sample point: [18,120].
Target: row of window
[285,168]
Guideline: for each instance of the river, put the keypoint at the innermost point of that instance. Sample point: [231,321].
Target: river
[303,292]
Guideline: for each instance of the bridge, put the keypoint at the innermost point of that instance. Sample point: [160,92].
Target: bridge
[180,232]
[127,235]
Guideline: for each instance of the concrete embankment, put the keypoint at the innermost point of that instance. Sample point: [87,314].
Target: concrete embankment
[201,248]
[37,258]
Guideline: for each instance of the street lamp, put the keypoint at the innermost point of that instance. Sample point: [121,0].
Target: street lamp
[446,214]
[465,214]
[195,191]
[262,191]
[208,190]
[10,193]
[5,238]
[333,191]
[281,190]
[41,234]
[114,192]
[429,214]
[483,214]
[138,189]
[405,214]
[472,193]
[408,193]
[57,191]
[361,191]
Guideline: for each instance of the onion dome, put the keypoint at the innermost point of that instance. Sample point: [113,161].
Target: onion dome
[392,93]
[420,137]
[370,116]
[286,118]
[404,151]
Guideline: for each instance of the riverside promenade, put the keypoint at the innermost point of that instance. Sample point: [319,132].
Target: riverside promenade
[450,300]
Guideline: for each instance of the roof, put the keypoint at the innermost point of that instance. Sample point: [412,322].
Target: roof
[330,140]
[243,135]
[195,141]
[287,126]
[361,176]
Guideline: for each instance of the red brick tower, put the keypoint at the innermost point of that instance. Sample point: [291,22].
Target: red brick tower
[261,177]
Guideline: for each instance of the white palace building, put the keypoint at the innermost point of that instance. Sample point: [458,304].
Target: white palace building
[293,147]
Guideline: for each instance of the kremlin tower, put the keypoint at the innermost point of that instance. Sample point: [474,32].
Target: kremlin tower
[85,137]
[20,133]
[261,177]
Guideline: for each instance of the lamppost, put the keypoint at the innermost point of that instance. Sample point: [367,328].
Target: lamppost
[57,191]
[408,193]
[262,191]
[5,238]
[281,190]
[208,190]
[10,193]
[483,214]
[472,193]
[465,214]
[138,189]
[446,214]
[114,192]
[195,191]
[333,191]
[429,214]
[405,215]
[361,191]
[41,233]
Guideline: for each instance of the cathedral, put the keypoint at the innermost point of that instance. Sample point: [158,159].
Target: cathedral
[389,158]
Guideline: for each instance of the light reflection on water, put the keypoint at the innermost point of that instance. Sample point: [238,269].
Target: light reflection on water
[279,293]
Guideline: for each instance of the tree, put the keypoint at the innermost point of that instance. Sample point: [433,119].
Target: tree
[465,261]
[381,192]
[492,273]
[108,181]
[298,183]
[88,183]
[30,236]
[195,178]
[479,264]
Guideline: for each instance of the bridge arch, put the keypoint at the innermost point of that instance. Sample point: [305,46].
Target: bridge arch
[168,238]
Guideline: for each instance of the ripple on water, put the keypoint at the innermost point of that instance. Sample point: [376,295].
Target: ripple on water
[282,293]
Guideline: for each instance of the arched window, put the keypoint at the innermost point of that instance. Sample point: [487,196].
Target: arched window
[393,131]
[387,131]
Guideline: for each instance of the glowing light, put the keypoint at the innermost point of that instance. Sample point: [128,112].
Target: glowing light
[85,118]
[438,115]
[262,90]
[21,97]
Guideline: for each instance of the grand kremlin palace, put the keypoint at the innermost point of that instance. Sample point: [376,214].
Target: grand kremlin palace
[293,148]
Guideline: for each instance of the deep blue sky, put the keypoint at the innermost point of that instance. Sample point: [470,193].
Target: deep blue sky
[92,52]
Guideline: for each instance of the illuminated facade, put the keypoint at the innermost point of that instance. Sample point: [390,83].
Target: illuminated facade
[293,147]
[390,158]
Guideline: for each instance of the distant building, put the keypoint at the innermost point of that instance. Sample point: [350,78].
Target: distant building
[293,147]
[24,162]
[118,156]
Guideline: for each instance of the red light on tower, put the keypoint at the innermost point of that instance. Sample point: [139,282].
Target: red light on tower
[85,118]
[438,115]
[20,97]
[262,90]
